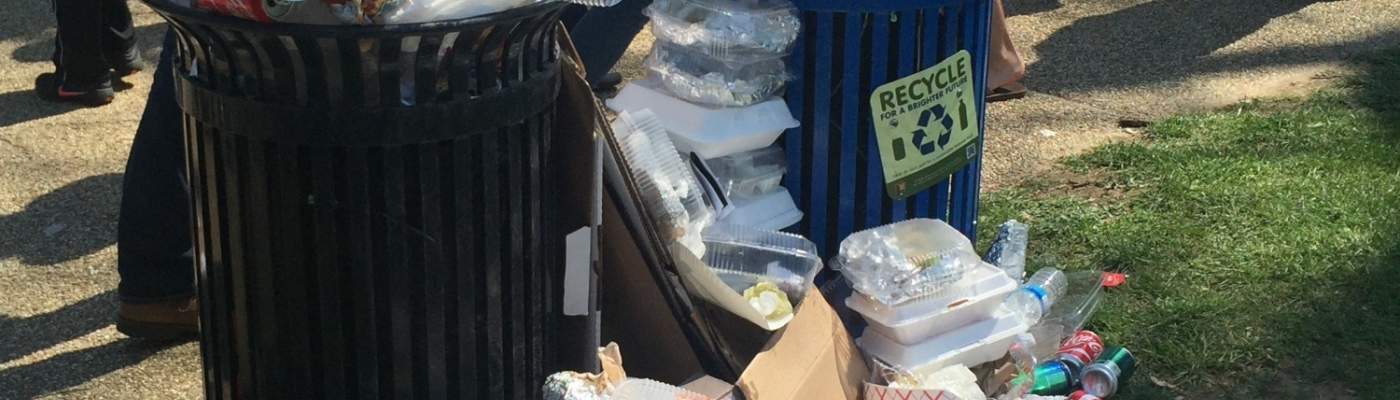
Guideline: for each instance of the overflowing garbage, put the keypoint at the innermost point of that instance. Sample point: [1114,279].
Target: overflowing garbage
[366,12]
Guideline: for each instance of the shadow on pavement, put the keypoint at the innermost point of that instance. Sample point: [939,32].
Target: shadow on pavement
[70,369]
[68,223]
[1028,7]
[25,105]
[40,49]
[1165,40]
[22,336]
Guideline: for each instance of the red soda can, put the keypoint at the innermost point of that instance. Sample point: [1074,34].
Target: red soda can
[256,10]
[1080,349]
[1081,395]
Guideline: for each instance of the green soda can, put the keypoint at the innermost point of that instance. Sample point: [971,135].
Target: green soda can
[1109,372]
[1054,378]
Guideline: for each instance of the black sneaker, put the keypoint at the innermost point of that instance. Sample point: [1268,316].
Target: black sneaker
[127,64]
[49,88]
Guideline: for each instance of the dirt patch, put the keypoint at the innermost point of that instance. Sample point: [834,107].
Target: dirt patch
[1093,185]
[1281,382]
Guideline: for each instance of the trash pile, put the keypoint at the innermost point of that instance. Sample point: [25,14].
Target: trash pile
[938,314]
[365,12]
[714,75]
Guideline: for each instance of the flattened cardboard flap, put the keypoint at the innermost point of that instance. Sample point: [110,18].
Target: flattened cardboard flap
[812,358]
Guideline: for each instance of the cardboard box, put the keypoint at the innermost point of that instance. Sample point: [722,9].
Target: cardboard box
[812,358]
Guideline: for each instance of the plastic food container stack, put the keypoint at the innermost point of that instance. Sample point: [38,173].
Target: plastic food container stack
[905,260]
[744,256]
[729,29]
[669,188]
[709,131]
[722,52]
[694,76]
[752,181]
[978,297]
[971,344]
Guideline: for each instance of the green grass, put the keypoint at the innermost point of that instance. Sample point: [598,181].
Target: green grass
[1262,244]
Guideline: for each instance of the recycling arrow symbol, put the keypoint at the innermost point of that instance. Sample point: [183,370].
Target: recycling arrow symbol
[937,112]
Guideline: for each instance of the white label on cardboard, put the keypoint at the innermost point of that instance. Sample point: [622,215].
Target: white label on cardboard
[578,255]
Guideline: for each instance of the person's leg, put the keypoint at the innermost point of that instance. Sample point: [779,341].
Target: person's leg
[81,73]
[1004,64]
[119,39]
[602,36]
[153,229]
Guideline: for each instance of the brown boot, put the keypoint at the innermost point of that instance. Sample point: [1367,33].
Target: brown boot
[174,319]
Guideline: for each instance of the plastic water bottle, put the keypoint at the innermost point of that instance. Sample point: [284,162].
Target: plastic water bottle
[1037,295]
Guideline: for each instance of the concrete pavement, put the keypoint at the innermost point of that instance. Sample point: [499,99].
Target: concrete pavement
[1090,62]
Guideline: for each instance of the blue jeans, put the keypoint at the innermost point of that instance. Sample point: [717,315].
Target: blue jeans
[153,230]
[602,34]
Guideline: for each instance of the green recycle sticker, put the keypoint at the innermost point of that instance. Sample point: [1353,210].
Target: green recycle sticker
[926,125]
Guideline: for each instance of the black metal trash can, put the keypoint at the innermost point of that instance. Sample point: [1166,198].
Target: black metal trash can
[370,205]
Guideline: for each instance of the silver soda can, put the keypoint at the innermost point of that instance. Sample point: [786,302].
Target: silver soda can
[1109,372]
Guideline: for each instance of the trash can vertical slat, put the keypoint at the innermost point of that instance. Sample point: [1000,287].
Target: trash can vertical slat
[851,30]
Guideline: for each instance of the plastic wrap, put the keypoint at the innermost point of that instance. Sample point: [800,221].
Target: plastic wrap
[669,188]
[1008,250]
[905,260]
[727,29]
[752,173]
[694,76]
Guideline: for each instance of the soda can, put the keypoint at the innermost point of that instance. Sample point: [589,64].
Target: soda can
[1081,395]
[1053,378]
[1109,372]
[1081,348]
[256,10]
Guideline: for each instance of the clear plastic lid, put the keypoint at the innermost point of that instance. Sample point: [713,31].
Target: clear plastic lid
[745,256]
[695,76]
[670,190]
[727,29]
[1083,292]
[752,173]
[905,260]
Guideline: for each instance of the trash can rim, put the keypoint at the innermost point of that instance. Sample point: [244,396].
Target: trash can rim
[170,10]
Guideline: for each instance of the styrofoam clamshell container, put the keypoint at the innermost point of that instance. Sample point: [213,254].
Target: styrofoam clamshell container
[647,389]
[973,344]
[708,131]
[774,211]
[743,256]
[978,296]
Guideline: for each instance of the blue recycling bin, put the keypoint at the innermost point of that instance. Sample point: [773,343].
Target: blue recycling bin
[849,48]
